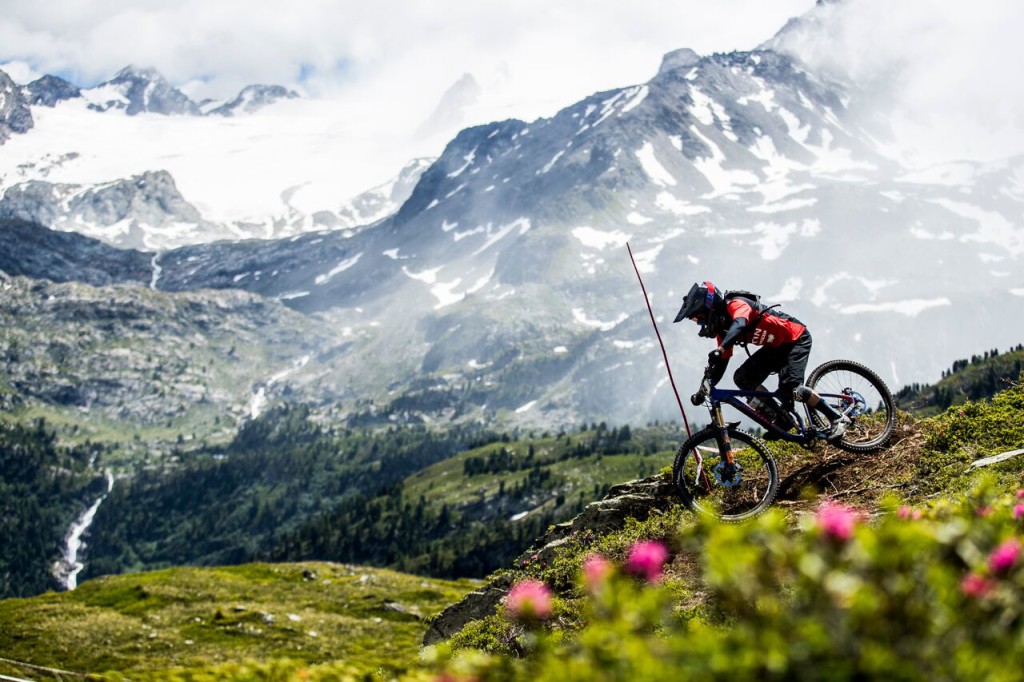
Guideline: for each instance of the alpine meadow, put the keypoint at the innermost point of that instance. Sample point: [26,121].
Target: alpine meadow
[280,403]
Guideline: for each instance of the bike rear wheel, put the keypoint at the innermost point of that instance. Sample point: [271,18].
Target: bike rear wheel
[707,485]
[859,393]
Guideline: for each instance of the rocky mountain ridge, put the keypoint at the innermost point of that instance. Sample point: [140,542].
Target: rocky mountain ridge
[140,360]
[501,289]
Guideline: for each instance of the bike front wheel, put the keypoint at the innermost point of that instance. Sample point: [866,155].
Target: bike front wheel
[859,393]
[708,484]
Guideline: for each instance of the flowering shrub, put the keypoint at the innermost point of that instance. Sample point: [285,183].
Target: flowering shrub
[915,594]
[528,600]
[646,559]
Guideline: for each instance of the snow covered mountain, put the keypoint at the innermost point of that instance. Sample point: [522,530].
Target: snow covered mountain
[501,288]
[138,138]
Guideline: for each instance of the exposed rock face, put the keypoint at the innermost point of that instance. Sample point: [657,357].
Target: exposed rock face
[253,98]
[140,90]
[635,499]
[143,211]
[143,357]
[15,116]
[49,90]
[31,250]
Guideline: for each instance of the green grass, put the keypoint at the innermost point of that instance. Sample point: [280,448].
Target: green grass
[192,619]
[445,481]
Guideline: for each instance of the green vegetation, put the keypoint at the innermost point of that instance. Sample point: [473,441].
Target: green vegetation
[924,586]
[43,486]
[915,594]
[191,621]
[287,489]
[907,564]
[979,378]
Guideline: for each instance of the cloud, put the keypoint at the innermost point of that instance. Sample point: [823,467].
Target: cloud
[948,67]
[384,49]
[947,70]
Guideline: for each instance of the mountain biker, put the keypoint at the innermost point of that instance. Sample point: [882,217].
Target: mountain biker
[785,348]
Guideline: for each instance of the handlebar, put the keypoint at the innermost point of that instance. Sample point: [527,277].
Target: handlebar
[704,390]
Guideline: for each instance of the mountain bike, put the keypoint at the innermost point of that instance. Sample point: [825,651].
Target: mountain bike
[730,473]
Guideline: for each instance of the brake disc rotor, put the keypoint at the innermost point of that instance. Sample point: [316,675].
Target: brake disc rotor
[722,469]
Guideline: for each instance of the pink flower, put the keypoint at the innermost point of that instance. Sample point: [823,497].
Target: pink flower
[1020,494]
[909,513]
[973,585]
[596,570]
[1004,556]
[1018,511]
[836,520]
[529,599]
[647,558]
[983,511]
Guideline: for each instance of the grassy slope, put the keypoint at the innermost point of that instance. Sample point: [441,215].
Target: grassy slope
[188,618]
[201,618]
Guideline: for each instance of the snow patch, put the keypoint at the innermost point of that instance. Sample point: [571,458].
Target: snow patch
[790,291]
[468,158]
[597,239]
[496,235]
[580,316]
[645,259]
[921,233]
[526,408]
[550,164]
[723,180]
[638,95]
[671,204]
[993,228]
[338,269]
[653,168]
[774,237]
[911,308]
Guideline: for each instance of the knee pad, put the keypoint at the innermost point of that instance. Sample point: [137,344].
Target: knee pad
[802,394]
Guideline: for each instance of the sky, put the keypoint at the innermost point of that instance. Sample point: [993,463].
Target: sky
[948,67]
[534,55]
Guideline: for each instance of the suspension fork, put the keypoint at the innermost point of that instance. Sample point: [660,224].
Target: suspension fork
[724,442]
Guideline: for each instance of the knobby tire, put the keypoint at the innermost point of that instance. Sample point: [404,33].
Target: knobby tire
[871,429]
[737,500]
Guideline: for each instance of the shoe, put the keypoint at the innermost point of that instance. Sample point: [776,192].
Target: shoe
[837,430]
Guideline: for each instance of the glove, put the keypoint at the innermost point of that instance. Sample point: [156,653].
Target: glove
[715,356]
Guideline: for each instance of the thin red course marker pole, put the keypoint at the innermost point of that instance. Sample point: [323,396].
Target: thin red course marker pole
[660,342]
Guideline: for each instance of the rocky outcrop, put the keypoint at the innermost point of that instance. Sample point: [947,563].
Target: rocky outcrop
[142,357]
[31,250]
[138,90]
[144,211]
[635,499]
[252,98]
[15,116]
[49,90]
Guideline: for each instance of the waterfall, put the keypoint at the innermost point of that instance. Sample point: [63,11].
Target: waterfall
[67,569]
[157,270]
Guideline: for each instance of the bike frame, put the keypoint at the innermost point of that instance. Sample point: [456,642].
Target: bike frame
[804,434]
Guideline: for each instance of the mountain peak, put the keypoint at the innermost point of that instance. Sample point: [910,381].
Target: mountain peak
[15,116]
[132,72]
[678,59]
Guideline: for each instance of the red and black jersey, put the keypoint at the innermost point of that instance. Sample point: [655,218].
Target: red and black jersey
[772,329]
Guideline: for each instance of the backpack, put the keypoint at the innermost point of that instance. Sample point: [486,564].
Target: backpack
[754,300]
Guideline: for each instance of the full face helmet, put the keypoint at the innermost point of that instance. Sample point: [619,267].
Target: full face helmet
[703,304]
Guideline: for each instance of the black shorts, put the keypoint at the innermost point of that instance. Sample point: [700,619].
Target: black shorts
[789,360]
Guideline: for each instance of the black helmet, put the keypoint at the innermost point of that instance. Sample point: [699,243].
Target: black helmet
[704,304]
